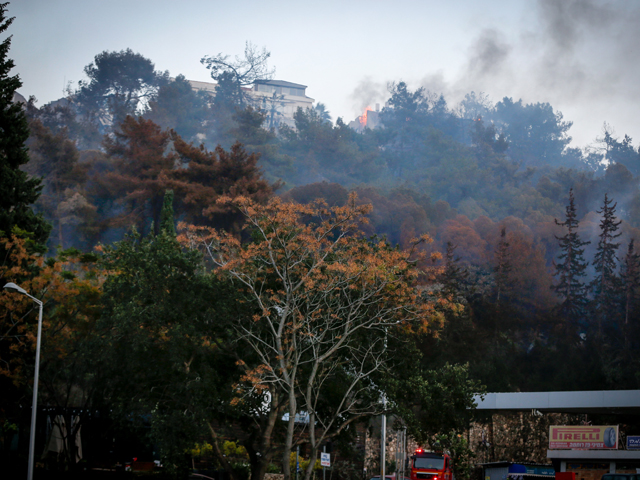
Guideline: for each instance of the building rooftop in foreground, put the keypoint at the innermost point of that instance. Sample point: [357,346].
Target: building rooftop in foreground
[280,83]
[594,401]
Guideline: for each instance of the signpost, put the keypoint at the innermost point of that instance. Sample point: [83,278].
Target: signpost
[583,437]
[325,459]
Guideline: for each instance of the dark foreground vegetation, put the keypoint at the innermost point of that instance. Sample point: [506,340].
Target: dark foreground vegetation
[206,276]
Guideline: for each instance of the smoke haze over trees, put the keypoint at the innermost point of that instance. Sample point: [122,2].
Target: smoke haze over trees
[490,180]
[578,55]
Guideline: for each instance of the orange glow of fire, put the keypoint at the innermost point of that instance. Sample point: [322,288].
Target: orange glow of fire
[363,117]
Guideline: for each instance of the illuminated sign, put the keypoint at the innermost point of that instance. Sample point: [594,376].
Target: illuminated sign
[581,437]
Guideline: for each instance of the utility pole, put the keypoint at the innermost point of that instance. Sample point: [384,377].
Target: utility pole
[404,452]
[397,453]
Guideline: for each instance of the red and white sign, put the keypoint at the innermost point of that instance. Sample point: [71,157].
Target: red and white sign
[583,437]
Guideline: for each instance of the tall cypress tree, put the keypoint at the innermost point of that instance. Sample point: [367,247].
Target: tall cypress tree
[570,268]
[166,215]
[630,280]
[453,275]
[605,286]
[630,277]
[502,267]
[17,190]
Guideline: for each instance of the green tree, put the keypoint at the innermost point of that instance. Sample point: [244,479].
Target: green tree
[234,78]
[449,391]
[176,106]
[606,284]
[167,223]
[227,102]
[206,176]
[241,72]
[335,153]
[570,268]
[537,134]
[502,265]
[67,380]
[630,277]
[624,152]
[461,453]
[323,113]
[118,84]
[17,190]
[146,160]
[69,287]
[134,188]
[249,131]
[165,344]
[63,115]
[404,127]
[453,276]
[64,201]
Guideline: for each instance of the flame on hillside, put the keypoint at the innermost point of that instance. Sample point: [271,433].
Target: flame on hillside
[363,117]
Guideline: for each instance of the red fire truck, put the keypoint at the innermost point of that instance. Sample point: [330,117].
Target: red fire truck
[430,466]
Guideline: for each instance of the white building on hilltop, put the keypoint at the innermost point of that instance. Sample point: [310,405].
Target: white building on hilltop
[278,98]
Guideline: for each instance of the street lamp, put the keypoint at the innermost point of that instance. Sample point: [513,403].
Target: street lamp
[34,403]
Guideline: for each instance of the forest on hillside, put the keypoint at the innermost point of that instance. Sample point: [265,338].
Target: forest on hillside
[491,183]
[165,226]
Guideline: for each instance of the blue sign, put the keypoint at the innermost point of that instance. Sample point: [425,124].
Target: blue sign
[633,442]
[540,470]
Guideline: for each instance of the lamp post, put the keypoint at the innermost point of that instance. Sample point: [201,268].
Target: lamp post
[34,403]
[383,439]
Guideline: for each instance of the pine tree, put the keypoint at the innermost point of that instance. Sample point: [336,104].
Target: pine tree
[503,265]
[453,276]
[630,278]
[605,286]
[17,190]
[571,267]
[141,157]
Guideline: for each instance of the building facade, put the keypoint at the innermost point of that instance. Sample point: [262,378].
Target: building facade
[277,98]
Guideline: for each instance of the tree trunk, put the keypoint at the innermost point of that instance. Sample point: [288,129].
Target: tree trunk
[260,465]
[220,455]
[288,444]
[314,446]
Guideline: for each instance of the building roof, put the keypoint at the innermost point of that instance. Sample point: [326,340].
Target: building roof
[604,401]
[208,86]
[280,83]
[603,455]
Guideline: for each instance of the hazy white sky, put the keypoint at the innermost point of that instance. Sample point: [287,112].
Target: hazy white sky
[581,56]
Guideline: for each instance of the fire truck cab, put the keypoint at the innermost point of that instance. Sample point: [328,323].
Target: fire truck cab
[430,466]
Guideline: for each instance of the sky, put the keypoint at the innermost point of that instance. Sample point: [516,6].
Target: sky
[581,56]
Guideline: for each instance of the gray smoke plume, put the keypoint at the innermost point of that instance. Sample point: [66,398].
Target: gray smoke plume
[367,93]
[488,55]
[581,56]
